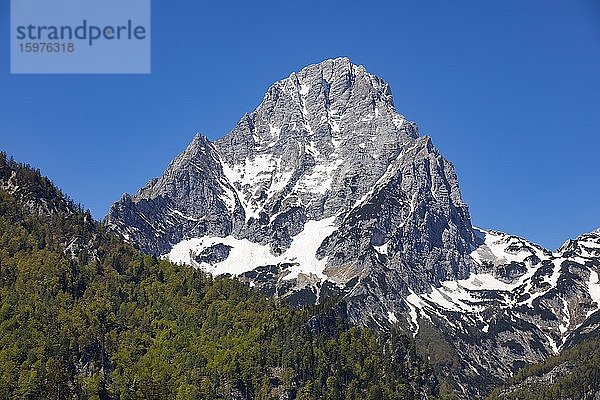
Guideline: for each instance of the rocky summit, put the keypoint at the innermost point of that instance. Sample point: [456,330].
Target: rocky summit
[325,190]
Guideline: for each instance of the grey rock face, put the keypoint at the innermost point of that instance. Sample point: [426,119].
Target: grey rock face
[39,197]
[42,198]
[326,142]
[525,304]
[325,190]
[191,199]
[413,221]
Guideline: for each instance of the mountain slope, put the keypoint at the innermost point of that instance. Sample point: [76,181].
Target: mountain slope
[574,374]
[530,304]
[120,325]
[324,151]
[326,191]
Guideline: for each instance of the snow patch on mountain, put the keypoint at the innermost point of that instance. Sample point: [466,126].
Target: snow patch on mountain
[325,190]
[245,255]
[594,289]
[318,181]
[538,274]
[256,179]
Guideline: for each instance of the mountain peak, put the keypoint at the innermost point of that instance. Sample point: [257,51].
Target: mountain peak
[199,138]
[334,82]
[325,190]
[320,109]
[343,65]
[324,155]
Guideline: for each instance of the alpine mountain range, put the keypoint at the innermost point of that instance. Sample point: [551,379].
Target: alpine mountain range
[325,191]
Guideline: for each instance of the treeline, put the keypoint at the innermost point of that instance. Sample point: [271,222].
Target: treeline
[35,187]
[573,374]
[112,323]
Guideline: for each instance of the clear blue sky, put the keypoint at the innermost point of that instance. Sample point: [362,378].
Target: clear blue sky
[509,90]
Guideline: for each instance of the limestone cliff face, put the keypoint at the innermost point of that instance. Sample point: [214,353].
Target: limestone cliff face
[325,144]
[325,189]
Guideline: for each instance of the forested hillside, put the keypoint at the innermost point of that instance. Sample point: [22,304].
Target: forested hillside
[84,315]
[574,374]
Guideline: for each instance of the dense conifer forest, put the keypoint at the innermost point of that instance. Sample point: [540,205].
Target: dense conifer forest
[572,374]
[84,315]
